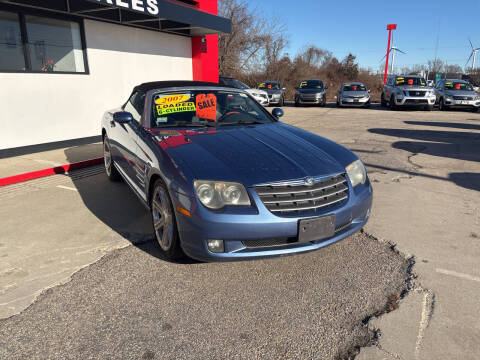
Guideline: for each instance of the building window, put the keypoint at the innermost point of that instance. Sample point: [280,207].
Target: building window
[12,56]
[40,44]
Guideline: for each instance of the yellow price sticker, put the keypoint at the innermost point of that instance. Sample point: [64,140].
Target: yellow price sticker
[165,109]
[172,99]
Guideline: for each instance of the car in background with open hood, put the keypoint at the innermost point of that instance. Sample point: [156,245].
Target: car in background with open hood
[275,91]
[260,95]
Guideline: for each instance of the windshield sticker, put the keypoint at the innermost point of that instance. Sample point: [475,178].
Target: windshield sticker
[457,86]
[172,99]
[303,84]
[261,86]
[162,120]
[400,80]
[354,87]
[171,108]
[206,106]
[410,81]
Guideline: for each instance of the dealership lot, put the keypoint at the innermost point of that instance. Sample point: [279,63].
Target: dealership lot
[425,170]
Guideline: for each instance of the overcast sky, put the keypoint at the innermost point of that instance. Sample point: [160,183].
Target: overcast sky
[344,26]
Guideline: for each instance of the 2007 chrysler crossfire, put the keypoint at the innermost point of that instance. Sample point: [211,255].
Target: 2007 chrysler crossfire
[226,180]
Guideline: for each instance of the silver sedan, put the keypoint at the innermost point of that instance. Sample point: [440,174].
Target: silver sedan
[455,93]
[353,94]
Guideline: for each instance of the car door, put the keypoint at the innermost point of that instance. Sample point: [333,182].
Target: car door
[123,138]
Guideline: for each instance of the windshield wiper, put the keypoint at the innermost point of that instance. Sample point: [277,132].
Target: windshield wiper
[242,122]
[189,124]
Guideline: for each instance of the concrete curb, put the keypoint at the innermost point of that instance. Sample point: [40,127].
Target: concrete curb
[62,169]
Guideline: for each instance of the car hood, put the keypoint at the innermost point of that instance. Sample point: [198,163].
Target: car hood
[253,92]
[355,93]
[460,93]
[256,154]
[310,91]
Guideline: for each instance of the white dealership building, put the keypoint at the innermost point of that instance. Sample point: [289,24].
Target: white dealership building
[64,62]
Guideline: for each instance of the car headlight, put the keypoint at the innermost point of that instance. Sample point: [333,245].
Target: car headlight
[218,194]
[357,173]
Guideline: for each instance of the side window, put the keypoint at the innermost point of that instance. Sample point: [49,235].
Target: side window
[135,105]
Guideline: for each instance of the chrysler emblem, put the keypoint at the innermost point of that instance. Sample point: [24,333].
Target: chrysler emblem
[309,181]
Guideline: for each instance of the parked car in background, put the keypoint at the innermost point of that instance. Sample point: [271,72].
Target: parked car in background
[224,179]
[407,90]
[456,93]
[276,94]
[260,95]
[311,92]
[353,94]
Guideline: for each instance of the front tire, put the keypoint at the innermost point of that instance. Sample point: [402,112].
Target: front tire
[382,101]
[392,104]
[442,106]
[110,169]
[324,102]
[164,222]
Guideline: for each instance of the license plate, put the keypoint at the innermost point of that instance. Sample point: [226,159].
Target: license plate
[464,102]
[316,229]
[355,100]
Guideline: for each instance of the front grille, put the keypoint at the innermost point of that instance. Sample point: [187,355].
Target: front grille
[309,97]
[297,197]
[463,98]
[417,93]
[416,101]
[282,241]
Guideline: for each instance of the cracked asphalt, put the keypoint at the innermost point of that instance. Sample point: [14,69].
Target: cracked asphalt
[134,305]
[329,304]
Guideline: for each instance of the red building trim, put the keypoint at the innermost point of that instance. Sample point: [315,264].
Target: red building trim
[205,49]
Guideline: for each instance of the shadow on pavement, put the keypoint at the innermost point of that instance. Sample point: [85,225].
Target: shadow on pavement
[445,124]
[115,204]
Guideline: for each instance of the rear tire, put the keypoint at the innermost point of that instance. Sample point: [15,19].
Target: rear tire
[110,169]
[164,222]
[281,103]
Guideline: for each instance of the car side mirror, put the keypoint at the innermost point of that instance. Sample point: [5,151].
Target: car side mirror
[369,90]
[284,89]
[278,113]
[122,117]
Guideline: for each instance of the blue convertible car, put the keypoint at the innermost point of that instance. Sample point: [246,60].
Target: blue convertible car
[224,179]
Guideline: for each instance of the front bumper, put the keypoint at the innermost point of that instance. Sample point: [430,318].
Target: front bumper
[310,101]
[274,100]
[463,103]
[237,225]
[354,102]
[415,101]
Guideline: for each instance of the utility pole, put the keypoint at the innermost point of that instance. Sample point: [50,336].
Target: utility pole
[390,27]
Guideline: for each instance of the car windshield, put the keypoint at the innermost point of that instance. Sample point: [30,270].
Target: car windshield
[235,83]
[311,84]
[458,86]
[354,87]
[192,108]
[413,81]
[269,86]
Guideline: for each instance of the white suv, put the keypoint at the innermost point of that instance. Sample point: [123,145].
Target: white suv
[407,90]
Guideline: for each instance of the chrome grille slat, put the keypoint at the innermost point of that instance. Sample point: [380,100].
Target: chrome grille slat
[334,191]
[296,196]
[293,189]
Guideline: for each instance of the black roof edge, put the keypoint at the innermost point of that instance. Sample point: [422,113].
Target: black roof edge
[170,84]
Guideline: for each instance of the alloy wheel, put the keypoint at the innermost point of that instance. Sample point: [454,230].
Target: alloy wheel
[162,218]
[107,157]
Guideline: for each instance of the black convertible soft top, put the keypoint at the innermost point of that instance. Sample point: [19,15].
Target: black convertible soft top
[173,83]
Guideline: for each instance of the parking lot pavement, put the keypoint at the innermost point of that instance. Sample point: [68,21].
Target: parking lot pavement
[424,167]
